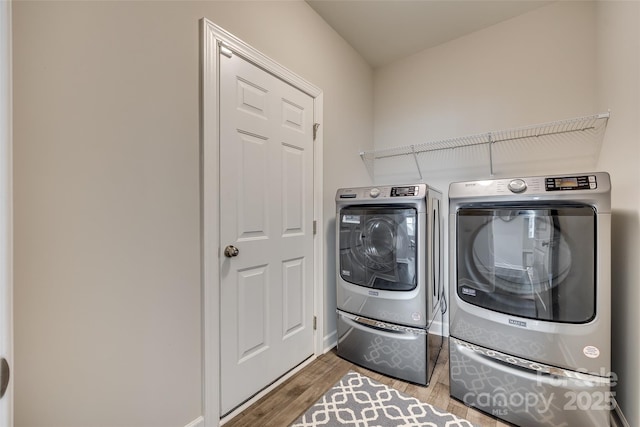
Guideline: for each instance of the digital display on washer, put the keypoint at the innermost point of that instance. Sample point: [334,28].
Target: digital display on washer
[586,182]
[404,191]
[568,182]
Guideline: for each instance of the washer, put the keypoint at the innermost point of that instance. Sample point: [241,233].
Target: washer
[390,278]
[530,298]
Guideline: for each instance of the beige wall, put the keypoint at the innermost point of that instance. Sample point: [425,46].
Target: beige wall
[535,68]
[107,204]
[560,61]
[618,48]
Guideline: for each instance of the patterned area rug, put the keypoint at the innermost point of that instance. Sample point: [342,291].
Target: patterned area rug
[359,401]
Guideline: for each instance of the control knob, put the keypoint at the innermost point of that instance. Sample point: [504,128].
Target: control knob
[517,185]
[375,192]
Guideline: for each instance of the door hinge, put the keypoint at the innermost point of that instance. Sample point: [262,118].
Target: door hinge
[315,323]
[315,227]
[315,130]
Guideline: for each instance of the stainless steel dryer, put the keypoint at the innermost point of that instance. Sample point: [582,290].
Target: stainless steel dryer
[390,278]
[530,298]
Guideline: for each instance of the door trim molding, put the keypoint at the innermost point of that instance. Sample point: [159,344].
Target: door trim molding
[6,206]
[213,39]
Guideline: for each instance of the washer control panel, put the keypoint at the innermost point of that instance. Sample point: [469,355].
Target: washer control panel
[582,182]
[378,194]
[408,191]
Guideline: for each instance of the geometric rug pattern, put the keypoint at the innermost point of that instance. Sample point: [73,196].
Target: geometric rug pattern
[359,401]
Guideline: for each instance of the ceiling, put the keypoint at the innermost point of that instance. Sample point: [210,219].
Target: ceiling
[383,31]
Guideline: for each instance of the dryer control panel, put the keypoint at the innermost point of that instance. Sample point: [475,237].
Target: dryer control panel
[584,182]
[588,184]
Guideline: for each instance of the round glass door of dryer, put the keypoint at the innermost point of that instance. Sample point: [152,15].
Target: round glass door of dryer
[521,252]
[537,262]
[378,247]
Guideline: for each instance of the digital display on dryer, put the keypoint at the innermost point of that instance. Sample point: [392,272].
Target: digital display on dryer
[404,191]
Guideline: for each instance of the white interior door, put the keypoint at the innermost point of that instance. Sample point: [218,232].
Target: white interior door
[266,214]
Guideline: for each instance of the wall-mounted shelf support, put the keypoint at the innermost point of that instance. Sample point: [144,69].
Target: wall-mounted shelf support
[490,145]
[415,158]
[594,124]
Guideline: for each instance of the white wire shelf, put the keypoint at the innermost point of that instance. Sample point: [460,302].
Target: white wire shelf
[589,125]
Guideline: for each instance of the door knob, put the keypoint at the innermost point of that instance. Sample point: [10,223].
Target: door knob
[4,376]
[231,251]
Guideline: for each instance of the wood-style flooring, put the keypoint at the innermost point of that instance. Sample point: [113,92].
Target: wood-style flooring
[292,398]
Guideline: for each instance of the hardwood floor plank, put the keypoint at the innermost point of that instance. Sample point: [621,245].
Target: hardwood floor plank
[423,394]
[292,398]
[440,396]
[480,418]
[457,408]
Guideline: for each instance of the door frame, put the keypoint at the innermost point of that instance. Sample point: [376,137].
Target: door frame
[214,42]
[6,208]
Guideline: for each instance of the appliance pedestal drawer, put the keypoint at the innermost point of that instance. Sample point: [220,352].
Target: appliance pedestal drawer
[527,393]
[393,350]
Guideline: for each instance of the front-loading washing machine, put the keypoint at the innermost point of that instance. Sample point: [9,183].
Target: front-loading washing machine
[390,278]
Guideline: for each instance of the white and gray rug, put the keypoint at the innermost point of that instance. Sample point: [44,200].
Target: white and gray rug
[359,401]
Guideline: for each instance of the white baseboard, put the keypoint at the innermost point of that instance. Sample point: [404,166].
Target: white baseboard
[444,328]
[330,341]
[198,422]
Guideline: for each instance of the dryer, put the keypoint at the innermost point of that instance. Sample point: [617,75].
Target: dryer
[390,278]
[530,298]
